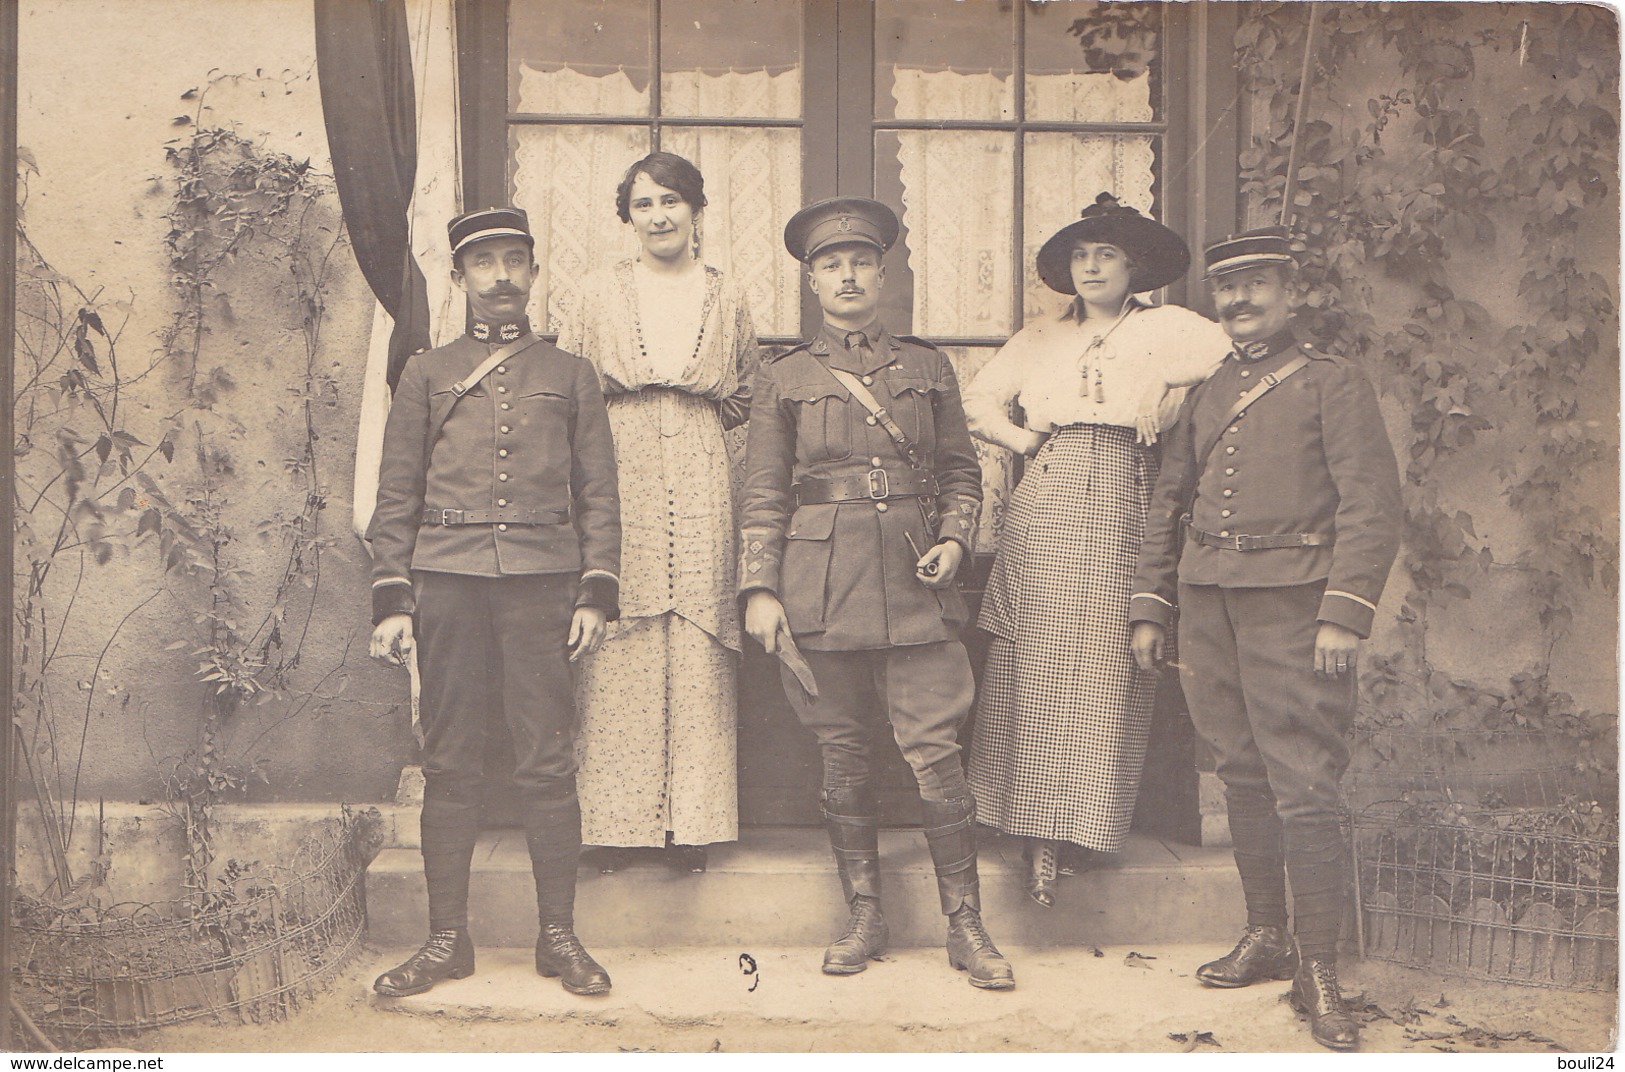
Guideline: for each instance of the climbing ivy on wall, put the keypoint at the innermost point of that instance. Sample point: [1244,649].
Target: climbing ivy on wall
[1399,198]
[135,465]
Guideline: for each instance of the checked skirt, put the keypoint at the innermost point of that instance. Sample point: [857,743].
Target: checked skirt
[1063,714]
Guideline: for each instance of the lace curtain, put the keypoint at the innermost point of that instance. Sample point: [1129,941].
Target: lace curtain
[565,178]
[958,188]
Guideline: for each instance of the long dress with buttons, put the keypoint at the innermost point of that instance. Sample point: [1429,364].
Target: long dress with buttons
[1063,715]
[658,742]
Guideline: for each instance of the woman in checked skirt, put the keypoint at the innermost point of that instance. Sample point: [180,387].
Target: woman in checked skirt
[1063,714]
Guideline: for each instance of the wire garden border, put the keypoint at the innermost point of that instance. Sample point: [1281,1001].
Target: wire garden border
[1526,895]
[253,945]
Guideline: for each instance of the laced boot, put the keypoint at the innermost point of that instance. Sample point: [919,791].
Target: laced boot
[448,954]
[1315,994]
[854,832]
[1263,953]
[559,955]
[553,834]
[1043,871]
[952,842]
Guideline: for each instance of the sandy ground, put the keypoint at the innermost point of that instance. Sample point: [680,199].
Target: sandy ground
[699,1000]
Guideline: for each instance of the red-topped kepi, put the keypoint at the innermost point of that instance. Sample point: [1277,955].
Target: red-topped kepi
[483,223]
[1249,249]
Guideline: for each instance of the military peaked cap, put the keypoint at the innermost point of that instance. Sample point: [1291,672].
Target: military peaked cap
[488,223]
[1249,249]
[839,220]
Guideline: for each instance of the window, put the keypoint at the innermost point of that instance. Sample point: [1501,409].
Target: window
[985,124]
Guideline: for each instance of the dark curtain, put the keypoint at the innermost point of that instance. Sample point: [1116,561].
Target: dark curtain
[364,66]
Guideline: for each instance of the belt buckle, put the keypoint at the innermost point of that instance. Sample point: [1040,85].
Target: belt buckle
[451,517]
[1247,543]
[879,484]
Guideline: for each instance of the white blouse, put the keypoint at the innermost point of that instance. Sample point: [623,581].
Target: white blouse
[1064,371]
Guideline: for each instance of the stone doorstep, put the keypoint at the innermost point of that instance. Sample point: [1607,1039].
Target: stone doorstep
[777,887]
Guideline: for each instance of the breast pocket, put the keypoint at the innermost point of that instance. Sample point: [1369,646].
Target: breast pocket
[823,422]
[912,406]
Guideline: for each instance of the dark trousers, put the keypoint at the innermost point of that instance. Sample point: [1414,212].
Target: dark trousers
[495,648]
[925,691]
[1278,731]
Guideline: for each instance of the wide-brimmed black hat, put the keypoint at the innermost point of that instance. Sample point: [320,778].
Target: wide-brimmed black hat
[1160,255]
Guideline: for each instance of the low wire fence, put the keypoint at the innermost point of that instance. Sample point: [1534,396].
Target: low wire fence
[251,947]
[1485,855]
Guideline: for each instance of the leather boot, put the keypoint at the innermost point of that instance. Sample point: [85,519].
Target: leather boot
[1043,870]
[952,842]
[1263,953]
[864,940]
[448,954]
[559,955]
[854,833]
[553,835]
[1315,994]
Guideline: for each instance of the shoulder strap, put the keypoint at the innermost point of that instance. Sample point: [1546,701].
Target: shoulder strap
[467,383]
[1263,387]
[869,402]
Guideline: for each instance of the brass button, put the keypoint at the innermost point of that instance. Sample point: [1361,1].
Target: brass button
[875,462]
[1227,450]
[868,381]
[501,369]
[869,419]
[880,506]
[502,476]
[506,406]
[1233,429]
[1240,415]
[1224,532]
[1228,493]
[502,502]
[503,453]
[1228,472]
[506,430]
[502,528]
[1224,513]
[1245,373]
[501,390]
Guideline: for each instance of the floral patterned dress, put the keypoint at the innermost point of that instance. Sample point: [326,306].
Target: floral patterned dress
[658,747]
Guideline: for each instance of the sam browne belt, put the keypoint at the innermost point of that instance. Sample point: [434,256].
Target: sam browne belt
[1258,543]
[435,516]
[875,484]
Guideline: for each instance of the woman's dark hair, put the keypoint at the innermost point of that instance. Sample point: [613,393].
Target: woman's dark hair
[670,171]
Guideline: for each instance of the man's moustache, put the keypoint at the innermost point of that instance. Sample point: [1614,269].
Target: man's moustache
[1238,310]
[502,292]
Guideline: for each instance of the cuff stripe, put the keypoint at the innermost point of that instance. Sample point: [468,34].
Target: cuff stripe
[1351,595]
[590,574]
[391,580]
[1150,595]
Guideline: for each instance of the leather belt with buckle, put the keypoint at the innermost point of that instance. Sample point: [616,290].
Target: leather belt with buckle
[876,484]
[1258,543]
[435,516]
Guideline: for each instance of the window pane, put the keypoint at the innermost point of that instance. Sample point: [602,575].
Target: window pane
[958,197]
[752,187]
[998,464]
[565,177]
[1064,174]
[1091,62]
[936,59]
[586,57]
[730,58]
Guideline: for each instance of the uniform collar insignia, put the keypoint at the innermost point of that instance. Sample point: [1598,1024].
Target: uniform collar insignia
[504,332]
[1262,348]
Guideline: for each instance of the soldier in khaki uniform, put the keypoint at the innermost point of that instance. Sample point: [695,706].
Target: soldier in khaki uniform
[856,513]
[496,542]
[1280,478]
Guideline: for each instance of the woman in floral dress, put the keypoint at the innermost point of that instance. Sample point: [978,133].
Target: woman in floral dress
[674,346]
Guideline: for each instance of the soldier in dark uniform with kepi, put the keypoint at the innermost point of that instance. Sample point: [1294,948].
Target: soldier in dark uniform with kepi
[1281,483]
[860,497]
[496,543]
